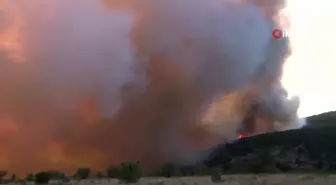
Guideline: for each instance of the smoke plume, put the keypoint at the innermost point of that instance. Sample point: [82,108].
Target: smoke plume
[93,83]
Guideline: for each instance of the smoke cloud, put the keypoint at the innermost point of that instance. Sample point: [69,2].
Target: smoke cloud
[94,83]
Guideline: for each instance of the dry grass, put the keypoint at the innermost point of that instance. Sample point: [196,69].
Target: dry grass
[292,179]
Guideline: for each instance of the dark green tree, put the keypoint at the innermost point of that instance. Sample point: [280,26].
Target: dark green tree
[170,170]
[57,175]
[30,177]
[13,178]
[129,172]
[283,167]
[42,178]
[99,175]
[112,171]
[83,173]
[201,170]
[2,174]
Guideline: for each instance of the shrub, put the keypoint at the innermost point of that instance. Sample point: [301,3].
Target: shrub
[283,167]
[112,172]
[216,174]
[99,175]
[3,174]
[30,177]
[201,170]
[257,168]
[13,178]
[170,170]
[129,172]
[83,173]
[42,178]
[21,182]
[57,175]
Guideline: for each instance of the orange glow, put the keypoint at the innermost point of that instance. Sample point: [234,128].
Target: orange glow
[241,136]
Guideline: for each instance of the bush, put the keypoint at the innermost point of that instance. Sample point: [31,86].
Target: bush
[83,173]
[3,174]
[283,167]
[201,170]
[257,168]
[21,182]
[30,177]
[216,174]
[56,175]
[13,178]
[42,178]
[129,172]
[170,170]
[99,175]
[112,172]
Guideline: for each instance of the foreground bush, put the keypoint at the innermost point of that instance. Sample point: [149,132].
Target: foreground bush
[13,178]
[216,174]
[112,172]
[30,177]
[201,170]
[83,173]
[170,170]
[42,178]
[2,174]
[129,172]
[56,175]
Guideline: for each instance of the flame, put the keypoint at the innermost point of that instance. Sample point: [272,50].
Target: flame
[241,136]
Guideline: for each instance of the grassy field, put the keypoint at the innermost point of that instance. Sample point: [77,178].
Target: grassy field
[284,179]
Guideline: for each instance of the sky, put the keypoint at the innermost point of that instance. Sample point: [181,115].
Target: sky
[310,70]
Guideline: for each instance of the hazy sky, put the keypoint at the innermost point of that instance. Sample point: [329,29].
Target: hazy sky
[311,70]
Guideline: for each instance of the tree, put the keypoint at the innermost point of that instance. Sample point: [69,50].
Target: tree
[129,172]
[99,175]
[30,177]
[201,170]
[13,178]
[170,170]
[283,167]
[3,174]
[57,175]
[263,162]
[112,171]
[42,178]
[83,173]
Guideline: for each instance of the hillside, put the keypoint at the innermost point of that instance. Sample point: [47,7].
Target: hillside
[316,142]
[325,119]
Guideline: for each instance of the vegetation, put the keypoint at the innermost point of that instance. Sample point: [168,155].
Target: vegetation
[99,175]
[83,173]
[170,170]
[310,149]
[129,172]
[3,174]
[112,172]
[201,170]
[216,174]
[56,175]
[30,177]
[13,178]
[42,178]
